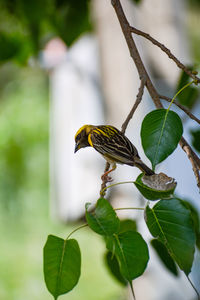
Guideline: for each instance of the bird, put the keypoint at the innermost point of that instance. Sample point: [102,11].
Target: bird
[112,144]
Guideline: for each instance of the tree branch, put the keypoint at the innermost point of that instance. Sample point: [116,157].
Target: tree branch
[194,166]
[127,31]
[181,107]
[167,51]
[183,143]
[137,102]
[124,126]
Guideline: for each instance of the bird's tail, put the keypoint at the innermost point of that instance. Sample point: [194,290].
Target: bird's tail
[139,163]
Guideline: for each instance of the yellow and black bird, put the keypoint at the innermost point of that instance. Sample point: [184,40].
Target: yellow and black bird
[112,144]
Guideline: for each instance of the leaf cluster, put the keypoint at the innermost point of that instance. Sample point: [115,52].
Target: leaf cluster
[26,25]
[169,221]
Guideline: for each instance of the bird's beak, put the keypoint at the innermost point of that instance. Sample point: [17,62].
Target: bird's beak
[77,147]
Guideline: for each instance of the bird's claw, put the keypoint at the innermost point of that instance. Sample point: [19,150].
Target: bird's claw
[106,178]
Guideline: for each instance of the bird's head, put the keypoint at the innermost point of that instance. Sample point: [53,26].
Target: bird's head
[81,137]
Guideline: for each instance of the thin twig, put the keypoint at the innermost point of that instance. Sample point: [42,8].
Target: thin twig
[137,102]
[183,143]
[167,51]
[194,166]
[124,208]
[76,229]
[103,190]
[181,107]
[124,126]
[127,31]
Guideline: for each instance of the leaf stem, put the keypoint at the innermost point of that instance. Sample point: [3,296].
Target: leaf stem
[132,290]
[137,208]
[193,286]
[114,184]
[184,87]
[76,229]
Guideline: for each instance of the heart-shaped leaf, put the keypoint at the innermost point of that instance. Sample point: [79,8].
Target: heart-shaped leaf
[170,221]
[113,266]
[62,264]
[163,254]
[196,221]
[104,219]
[132,253]
[127,225]
[71,19]
[160,133]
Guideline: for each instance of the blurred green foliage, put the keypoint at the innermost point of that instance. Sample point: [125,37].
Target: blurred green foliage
[193,24]
[24,196]
[10,46]
[26,25]
[23,135]
[23,177]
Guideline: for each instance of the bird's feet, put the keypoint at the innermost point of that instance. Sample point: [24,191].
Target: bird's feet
[106,178]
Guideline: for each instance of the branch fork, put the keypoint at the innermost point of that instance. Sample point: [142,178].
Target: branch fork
[127,31]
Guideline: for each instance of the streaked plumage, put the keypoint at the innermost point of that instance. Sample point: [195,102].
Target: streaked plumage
[112,144]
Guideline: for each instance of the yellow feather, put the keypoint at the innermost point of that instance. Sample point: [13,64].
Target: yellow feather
[89,140]
[87,128]
[111,129]
[99,131]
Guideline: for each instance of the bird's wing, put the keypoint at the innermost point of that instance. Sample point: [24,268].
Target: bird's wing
[113,149]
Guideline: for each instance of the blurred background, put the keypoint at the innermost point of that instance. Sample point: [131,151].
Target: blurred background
[64,64]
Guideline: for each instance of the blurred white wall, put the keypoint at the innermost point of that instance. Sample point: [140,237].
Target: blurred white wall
[75,100]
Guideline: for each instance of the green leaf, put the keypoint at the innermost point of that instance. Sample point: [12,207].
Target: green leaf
[160,133]
[104,219]
[183,78]
[196,222]
[71,19]
[170,221]
[62,263]
[113,267]
[196,139]
[132,253]
[110,243]
[136,1]
[189,96]
[10,46]
[127,225]
[152,194]
[33,11]
[37,21]
[163,254]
